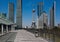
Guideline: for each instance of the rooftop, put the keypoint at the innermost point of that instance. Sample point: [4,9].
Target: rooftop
[4,20]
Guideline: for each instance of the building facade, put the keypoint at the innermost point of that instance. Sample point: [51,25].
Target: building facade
[19,14]
[58,25]
[52,18]
[39,9]
[5,24]
[11,12]
[42,21]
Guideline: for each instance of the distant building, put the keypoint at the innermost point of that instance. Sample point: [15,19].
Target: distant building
[26,27]
[19,14]
[42,21]
[39,8]
[11,12]
[3,15]
[59,25]
[52,17]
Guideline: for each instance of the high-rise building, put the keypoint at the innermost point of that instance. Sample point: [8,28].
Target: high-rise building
[42,21]
[52,16]
[11,11]
[39,8]
[19,14]
[59,25]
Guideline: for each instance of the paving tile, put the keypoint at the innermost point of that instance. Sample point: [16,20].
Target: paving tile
[25,36]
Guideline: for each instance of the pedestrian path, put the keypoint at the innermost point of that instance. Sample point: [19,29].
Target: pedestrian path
[25,36]
[9,37]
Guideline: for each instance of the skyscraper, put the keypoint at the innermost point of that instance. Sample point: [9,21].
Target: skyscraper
[39,8]
[11,11]
[19,14]
[58,25]
[52,16]
[42,21]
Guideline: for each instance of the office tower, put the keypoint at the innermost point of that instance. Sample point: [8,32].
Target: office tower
[52,12]
[19,14]
[51,18]
[39,9]
[11,12]
[42,21]
[58,25]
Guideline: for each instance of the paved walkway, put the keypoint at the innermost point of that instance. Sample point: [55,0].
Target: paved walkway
[9,37]
[25,36]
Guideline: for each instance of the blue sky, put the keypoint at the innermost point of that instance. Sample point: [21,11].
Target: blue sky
[27,9]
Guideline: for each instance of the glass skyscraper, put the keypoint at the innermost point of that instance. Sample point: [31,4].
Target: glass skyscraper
[19,14]
[39,9]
